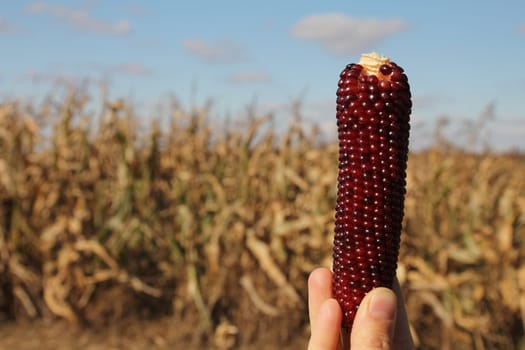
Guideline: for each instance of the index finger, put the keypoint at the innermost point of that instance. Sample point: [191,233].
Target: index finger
[319,290]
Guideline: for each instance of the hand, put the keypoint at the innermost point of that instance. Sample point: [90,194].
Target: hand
[380,323]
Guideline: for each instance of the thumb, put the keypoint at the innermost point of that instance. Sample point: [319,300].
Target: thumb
[375,320]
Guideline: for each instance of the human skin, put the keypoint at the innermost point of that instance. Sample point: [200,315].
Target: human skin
[380,323]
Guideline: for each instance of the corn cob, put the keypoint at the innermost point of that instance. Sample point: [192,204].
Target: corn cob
[373,109]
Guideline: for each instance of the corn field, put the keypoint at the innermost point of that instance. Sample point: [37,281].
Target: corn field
[218,228]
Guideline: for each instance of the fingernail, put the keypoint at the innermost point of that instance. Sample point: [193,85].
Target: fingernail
[383,304]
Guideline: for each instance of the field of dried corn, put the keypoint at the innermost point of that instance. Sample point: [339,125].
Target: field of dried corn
[209,233]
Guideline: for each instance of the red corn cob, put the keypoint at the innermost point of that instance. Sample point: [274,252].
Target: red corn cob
[373,109]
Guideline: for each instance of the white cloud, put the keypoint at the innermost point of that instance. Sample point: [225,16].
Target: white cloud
[94,70]
[249,77]
[80,19]
[224,51]
[108,70]
[511,128]
[53,78]
[431,102]
[136,10]
[342,34]
[5,27]
[273,107]
[129,69]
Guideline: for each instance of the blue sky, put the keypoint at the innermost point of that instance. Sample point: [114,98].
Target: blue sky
[464,58]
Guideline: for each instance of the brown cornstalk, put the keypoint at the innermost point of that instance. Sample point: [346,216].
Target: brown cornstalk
[102,219]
